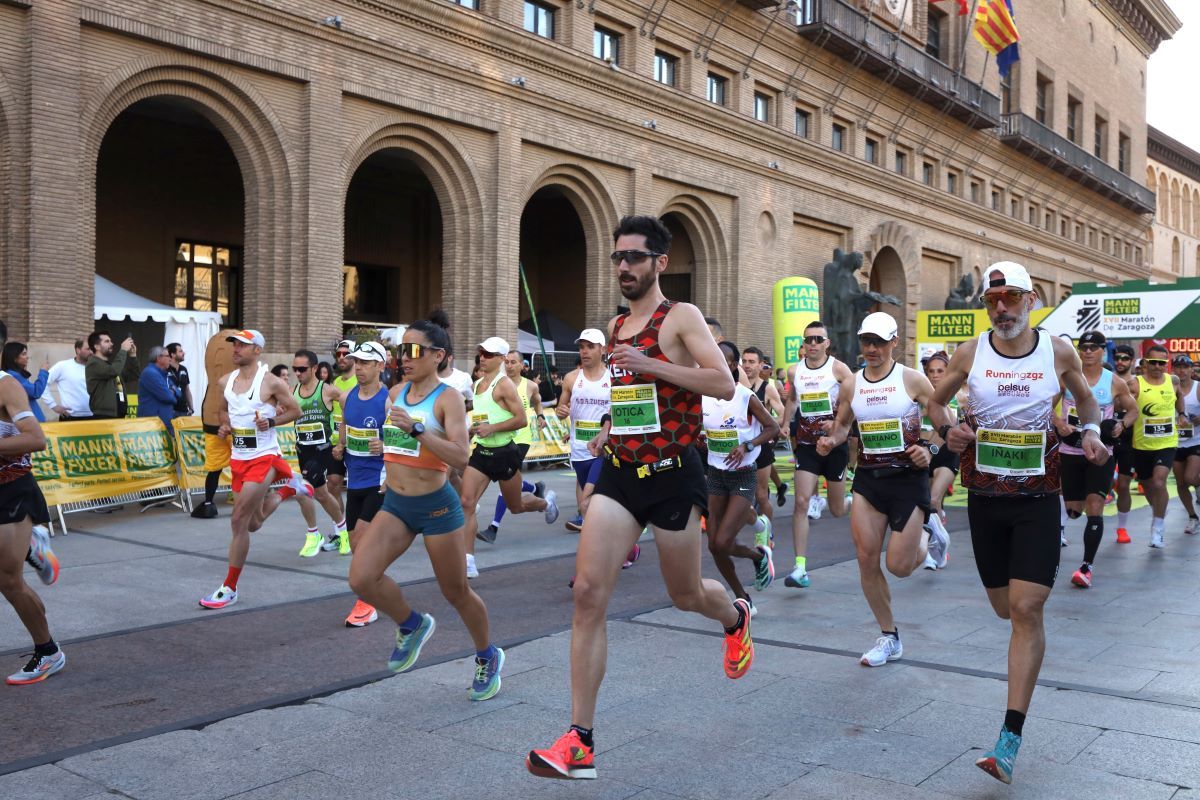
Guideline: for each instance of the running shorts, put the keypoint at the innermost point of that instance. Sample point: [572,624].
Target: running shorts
[1081,477]
[895,493]
[1015,538]
[255,470]
[497,463]
[316,462]
[945,457]
[732,483]
[1184,453]
[524,448]
[440,511]
[1123,450]
[216,452]
[21,498]
[1144,461]
[831,467]
[587,471]
[362,505]
[766,456]
[662,499]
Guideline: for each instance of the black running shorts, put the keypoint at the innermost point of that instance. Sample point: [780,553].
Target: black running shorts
[895,493]
[664,499]
[316,462]
[945,457]
[23,498]
[1184,453]
[497,463]
[766,456]
[1015,538]
[831,467]
[732,483]
[1123,451]
[1144,461]
[362,505]
[1081,477]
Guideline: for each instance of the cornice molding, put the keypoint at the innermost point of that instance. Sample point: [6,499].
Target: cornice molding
[1151,20]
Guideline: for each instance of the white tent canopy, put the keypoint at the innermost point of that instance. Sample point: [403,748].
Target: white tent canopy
[192,329]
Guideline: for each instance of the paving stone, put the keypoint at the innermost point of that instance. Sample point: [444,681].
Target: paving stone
[824,783]
[1119,714]
[1147,757]
[874,708]
[1182,687]
[1156,658]
[315,784]
[1039,779]
[277,724]
[520,728]
[48,782]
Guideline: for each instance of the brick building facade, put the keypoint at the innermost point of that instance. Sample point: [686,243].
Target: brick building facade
[1173,171]
[259,156]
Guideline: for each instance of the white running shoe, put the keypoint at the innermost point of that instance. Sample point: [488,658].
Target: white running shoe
[1156,540]
[472,570]
[814,508]
[1192,527]
[887,648]
[220,598]
[1062,539]
[929,562]
[939,542]
[41,556]
[551,507]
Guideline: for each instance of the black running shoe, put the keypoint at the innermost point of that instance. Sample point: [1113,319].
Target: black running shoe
[781,494]
[539,490]
[204,511]
[488,534]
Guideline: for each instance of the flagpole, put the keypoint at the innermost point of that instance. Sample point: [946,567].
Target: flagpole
[962,50]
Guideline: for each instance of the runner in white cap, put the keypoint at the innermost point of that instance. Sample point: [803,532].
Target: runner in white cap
[585,401]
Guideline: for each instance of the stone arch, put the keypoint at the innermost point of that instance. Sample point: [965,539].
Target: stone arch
[1043,293]
[258,141]
[1186,211]
[1196,212]
[1176,255]
[903,243]
[1164,198]
[1150,246]
[1174,218]
[455,181]
[703,225]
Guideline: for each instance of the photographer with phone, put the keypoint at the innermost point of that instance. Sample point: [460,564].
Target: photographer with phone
[107,372]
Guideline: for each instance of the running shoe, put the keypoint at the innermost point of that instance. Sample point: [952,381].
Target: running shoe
[220,598]
[551,507]
[343,543]
[300,486]
[887,648]
[998,762]
[312,545]
[1082,578]
[630,558]
[1062,538]
[814,507]
[766,536]
[1156,540]
[487,677]
[939,526]
[569,759]
[41,557]
[488,534]
[331,542]
[764,569]
[939,543]
[361,615]
[576,524]
[929,562]
[753,608]
[781,494]
[472,570]
[38,668]
[1123,536]
[797,579]
[204,511]
[739,647]
[539,489]
[1192,527]
[408,645]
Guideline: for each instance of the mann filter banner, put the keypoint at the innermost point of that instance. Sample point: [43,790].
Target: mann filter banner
[94,460]
[552,443]
[1132,310]
[795,303]
[942,330]
[189,443]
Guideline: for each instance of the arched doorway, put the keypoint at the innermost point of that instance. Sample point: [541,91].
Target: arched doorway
[392,264]
[553,252]
[677,282]
[887,277]
[170,208]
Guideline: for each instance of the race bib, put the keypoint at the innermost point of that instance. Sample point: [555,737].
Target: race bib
[358,440]
[399,443]
[1158,427]
[478,418]
[881,436]
[335,423]
[310,433]
[815,404]
[722,440]
[586,430]
[634,409]
[1010,454]
[245,439]
[1186,431]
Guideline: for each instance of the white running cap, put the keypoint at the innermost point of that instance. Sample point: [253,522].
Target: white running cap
[247,337]
[1012,275]
[591,335]
[879,324]
[369,351]
[495,345]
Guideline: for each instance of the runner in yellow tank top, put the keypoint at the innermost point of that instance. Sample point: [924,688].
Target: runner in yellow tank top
[1156,433]
[343,381]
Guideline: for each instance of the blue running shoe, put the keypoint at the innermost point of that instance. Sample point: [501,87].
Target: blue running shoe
[408,646]
[999,762]
[487,676]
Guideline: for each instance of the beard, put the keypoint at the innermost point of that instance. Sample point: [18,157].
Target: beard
[1021,323]
[637,290]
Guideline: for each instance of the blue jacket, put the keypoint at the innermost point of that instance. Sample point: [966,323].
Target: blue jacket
[157,395]
[35,389]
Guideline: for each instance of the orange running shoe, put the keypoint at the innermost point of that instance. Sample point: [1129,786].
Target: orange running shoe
[1123,536]
[569,759]
[1082,579]
[361,615]
[739,647]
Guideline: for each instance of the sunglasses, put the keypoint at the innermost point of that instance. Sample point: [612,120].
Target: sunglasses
[342,353]
[631,256]
[486,354]
[1154,362]
[414,350]
[815,340]
[300,369]
[1122,358]
[871,341]
[1010,297]
[1090,348]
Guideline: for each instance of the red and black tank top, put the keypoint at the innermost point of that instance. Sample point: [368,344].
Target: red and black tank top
[652,419]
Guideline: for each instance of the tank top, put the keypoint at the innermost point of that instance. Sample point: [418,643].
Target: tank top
[248,441]
[1010,401]
[364,421]
[1191,408]
[589,402]
[1102,391]
[889,420]
[1155,425]
[484,408]
[652,419]
[404,448]
[525,435]
[12,466]
[343,383]
[727,423]
[313,427]
[816,400]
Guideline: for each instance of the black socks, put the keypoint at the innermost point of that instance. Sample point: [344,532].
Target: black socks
[1014,721]
[47,649]
[1093,534]
[211,481]
[741,619]
[894,634]
[585,735]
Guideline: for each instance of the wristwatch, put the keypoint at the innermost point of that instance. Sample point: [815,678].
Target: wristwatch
[933,449]
[942,431]
[417,429]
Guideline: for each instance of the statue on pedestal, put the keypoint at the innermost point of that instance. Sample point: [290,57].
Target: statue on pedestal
[845,303]
[964,296]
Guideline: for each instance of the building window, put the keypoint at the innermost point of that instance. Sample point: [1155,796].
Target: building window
[933,38]
[606,45]
[1014,207]
[208,278]
[666,68]
[901,162]
[1049,222]
[1124,144]
[762,107]
[467,3]
[1063,225]
[1033,214]
[1045,88]
[1074,120]
[803,121]
[1100,149]
[995,199]
[366,293]
[838,141]
[539,19]
[1006,93]
[952,182]
[716,89]
[976,192]
[927,173]
[871,150]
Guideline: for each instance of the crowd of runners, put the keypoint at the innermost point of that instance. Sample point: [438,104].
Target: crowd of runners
[672,431]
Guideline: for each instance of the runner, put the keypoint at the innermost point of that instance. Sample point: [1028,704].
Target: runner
[1187,456]
[24,538]
[733,431]
[1085,485]
[651,474]
[498,415]
[531,399]
[812,400]
[943,466]
[314,451]
[892,482]
[1123,451]
[253,403]
[342,380]
[764,389]
[1155,436]
[453,377]
[1010,468]
[584,402]
[426,432]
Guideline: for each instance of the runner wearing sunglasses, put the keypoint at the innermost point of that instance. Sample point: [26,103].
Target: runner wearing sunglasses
[343,380]
[314,450]
[1123,357]
[1187,455]
[1156,433]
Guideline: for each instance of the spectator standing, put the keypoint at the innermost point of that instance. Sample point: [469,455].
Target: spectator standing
[67,379]
[157,394]
[107,372]
[281,371]
[15,361]
[179,374]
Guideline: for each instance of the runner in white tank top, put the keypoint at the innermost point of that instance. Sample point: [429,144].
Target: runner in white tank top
[1187,454]
[585,404]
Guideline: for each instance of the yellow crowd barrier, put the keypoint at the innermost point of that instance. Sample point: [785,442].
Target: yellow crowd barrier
[98,460]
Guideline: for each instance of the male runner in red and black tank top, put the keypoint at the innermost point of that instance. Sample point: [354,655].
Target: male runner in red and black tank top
[662,360]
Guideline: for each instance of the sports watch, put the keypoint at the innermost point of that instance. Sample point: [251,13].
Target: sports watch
[417,429]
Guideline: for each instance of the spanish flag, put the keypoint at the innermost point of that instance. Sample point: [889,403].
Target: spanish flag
[997,32]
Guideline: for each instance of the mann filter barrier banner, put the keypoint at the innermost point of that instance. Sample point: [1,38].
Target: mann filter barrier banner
[94,460]
[795,302]
[943,330]
[189,444]
[552,444]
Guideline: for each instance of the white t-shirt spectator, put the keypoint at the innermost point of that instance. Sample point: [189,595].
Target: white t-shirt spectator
[460,382]
[66,377]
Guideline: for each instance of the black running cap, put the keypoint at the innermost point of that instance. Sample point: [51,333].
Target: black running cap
[1093,337]
[1123,348]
